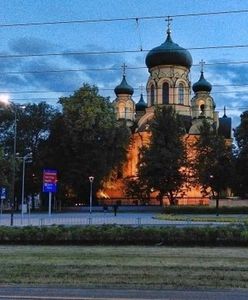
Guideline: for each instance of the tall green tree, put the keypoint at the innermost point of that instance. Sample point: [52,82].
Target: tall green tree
[241,136]
[33,127]
[161,166]
[5,170]
[213,162]
[86,140]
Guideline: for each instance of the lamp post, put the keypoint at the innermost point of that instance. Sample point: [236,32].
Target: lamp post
[24,158]
[14,165]
[91,179]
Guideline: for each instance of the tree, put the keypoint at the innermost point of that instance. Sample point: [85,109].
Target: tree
[85,140]
[5,170]
[241,136]
[163,162]
[213,162]
[33,123]
[33,128]
[135,189]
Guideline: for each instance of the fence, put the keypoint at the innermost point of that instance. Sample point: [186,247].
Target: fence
[84,219]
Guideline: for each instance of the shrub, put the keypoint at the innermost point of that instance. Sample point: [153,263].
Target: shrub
[126,235]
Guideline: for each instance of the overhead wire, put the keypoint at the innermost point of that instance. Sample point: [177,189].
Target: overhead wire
[112,89]
[136,19]
[10,56]
[99,20]
[110,68]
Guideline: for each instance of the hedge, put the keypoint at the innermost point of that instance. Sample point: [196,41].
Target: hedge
[125,235]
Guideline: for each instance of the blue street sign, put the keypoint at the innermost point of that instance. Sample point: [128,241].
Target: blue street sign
[3,193]
[49,188]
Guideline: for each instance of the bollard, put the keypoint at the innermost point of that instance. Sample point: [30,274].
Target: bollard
[11,219]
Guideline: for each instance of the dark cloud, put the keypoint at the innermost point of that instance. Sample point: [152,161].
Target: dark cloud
[30,45]
[88,61]
[106,79]
[8,82]
[237,74]
[8,64]
[51,81]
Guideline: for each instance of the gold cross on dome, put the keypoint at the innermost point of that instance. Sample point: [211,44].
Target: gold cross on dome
[202,63]
[168,20]
[124,66]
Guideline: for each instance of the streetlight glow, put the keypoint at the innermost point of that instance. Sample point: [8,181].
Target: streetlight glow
[4,98]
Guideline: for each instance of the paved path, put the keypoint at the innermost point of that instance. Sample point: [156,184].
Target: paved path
[104,294]
[96,218]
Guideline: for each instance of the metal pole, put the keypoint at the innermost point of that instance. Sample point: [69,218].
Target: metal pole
[90,197]
[23,184]
[13,165]
[91,179]
[29,208]
[50,204]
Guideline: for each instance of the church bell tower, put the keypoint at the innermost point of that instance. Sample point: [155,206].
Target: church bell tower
[124,104]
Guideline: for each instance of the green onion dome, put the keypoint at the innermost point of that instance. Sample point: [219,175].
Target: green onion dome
[202,85]
[168,53]
[124,87]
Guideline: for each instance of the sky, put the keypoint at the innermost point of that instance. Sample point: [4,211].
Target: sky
[24,79]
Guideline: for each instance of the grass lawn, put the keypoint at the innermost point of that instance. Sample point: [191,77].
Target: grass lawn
[203,218]
[126,267]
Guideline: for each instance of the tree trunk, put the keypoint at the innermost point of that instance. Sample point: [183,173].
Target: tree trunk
[160,199]
[217,203]
[172,198]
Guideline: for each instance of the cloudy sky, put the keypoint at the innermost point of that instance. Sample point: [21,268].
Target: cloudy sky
[43,62]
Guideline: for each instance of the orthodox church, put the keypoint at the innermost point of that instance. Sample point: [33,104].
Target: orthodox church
[168,84]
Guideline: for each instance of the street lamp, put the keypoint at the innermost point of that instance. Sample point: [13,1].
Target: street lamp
[91,179]
[26,158]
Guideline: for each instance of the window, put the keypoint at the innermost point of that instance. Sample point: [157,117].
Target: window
[152,95]
[165,93]
[122,111]
[181,93]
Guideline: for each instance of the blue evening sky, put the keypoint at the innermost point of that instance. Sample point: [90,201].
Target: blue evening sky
[188,32]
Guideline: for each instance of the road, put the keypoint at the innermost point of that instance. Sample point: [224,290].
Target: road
[96,218]
[45,293]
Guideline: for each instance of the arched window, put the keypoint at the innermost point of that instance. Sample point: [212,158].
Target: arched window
[122,111]
[180,93]
[152,95]
[165,93]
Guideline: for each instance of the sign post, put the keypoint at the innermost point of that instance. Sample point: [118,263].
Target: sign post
[2,197]
[49,185]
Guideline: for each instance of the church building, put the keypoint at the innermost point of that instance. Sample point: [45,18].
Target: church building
[168,84]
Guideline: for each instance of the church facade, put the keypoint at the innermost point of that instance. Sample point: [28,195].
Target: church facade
[168,84]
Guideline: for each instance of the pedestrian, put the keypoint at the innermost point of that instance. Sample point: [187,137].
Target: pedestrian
[115,206]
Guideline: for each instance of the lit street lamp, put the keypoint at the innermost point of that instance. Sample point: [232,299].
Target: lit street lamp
[91,179]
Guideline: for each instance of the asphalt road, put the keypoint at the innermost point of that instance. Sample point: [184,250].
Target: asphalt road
[45,293]
[96,218]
